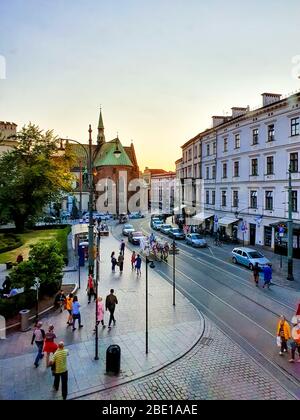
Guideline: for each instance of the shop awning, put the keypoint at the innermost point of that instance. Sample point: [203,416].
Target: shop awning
[226,221]
[180,208]
[200,217]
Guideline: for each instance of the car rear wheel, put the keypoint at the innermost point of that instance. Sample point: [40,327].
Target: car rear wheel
[234,260]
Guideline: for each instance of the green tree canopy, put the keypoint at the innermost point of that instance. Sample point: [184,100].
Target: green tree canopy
[45,262]
[33,174]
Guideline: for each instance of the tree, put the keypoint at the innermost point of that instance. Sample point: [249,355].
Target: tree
[35,173]
[45,262]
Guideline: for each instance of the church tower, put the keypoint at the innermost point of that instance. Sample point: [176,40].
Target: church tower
[101,136]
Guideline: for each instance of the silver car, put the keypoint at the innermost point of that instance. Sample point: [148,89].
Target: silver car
[127,229]
[196,240]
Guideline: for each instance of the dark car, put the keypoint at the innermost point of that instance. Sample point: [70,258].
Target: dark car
[176,233]
[135,237]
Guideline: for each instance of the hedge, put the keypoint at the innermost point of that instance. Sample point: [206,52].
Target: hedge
[62,238]
[8,242]
[10,307]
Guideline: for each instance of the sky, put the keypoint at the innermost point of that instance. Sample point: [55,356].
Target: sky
[160,69]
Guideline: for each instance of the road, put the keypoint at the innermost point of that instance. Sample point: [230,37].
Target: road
[225,293]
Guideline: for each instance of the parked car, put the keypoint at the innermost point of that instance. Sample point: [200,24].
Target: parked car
[196,240]
[123,218]
[127,229]
[249,257]
[135,237]
[176,233]
[50,219]
[136,215]
[166,229]
[156,224]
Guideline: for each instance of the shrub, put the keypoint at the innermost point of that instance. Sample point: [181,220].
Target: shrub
[62,238]
[12,306]
[8,242]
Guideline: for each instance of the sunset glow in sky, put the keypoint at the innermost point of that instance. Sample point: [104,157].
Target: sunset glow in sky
[160,68]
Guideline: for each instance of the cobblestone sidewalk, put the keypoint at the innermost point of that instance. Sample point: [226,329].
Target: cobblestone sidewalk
[216,369]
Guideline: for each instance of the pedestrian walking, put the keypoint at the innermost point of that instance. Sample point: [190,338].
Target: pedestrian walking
[267,271]
[100,312]
[91,289]
[298,311]
[114,262]
[60,300]
[122,247]
[76,313]
[295,344]
[60,369]
[284,333]
[121,262]
[49,344]
[138,265]
[68,306]
[38,338]
[133,258]
[256,274]
[110,305]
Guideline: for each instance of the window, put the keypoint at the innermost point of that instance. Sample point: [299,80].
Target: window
[255,136]
[207,150]
[270,165]
[190,154]
[294,201]
[295,127]
[214,147]
[254,167]
[195,171]
[253,199]
[294,162]
[207,197]
[224,198]
[225,146]
[213,198]
[207,172]
[269,200]
[236,169]
[271,132]
[224,170]
[235,198]
[195,150]
[214,172]
[237,141]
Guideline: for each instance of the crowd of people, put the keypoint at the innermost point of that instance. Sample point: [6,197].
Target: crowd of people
[288,339]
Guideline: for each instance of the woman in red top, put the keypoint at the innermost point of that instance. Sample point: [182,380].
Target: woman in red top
[133,258]
[90,288]
[49,345]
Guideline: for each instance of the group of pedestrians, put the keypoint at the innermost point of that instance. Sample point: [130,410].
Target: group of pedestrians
[46,344]
[289,338]
[267,275]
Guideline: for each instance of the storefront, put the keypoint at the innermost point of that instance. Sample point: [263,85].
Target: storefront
[268,236]
[204,220]
[281,239]
[229,226]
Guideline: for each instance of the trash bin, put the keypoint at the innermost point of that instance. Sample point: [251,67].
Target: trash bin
[9,265]
[24,315]
[113,359]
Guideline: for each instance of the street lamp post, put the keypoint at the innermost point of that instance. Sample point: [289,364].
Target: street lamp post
[148,261]
[290,275]
[174,272]
[97,283]
[91,193]
[37,286]
[79,273]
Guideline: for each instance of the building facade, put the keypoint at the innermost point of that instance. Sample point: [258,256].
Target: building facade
[106,167]
[160,188]
[7,132]
[245,160]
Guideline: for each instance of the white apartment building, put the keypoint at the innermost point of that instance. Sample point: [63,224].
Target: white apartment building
[245,162]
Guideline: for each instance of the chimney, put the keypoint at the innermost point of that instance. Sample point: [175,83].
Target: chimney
[218,120]
[238,111]
[270,98]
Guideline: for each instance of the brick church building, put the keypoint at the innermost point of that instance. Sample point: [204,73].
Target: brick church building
[106,166]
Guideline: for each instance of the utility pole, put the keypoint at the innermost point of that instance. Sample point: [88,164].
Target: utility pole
[290,229]
[97,285]
[91,193]
[80,190]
